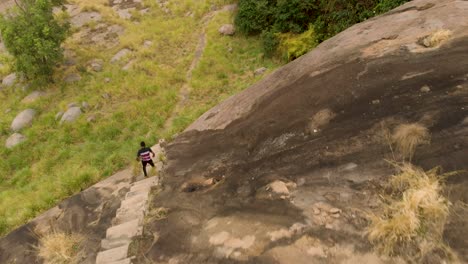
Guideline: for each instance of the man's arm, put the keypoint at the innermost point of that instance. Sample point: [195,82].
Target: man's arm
[152,152]
[138,156]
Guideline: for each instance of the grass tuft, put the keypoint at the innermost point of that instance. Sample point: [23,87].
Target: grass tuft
[413,216]
[60,248]
[407,137]
[436,39]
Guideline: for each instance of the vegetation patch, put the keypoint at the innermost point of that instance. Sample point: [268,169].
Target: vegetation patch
[60,248]
[413,216]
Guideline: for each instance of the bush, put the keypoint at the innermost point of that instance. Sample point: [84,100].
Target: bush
[269,17]
[34,37]
[293,46]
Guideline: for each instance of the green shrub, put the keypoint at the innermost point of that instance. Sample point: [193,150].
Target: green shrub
[34,37]
[254,16]
[270,42]
[293,46]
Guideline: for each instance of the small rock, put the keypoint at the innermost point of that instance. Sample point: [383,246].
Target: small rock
[260,71]
[119,55]
[91,118]
[316,210]
[9,80]
[336,215]
[425,89]
[227,30]
[335,211]
[23,119]
[125,13]
[14,140]
[329,226]
[32,97]
[107,80]
[72,77]
[58,115]
[74,104]
[96,65]
[144,11]
[106,96]
[128,65]
[279,187]
[8,110]
[230,49]
[71,115]
[85,105]
[147,43]
[376,102]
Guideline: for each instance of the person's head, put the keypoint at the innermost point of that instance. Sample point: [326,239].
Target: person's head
[142,144]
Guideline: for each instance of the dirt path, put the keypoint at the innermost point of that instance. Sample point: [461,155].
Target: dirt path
[184,93]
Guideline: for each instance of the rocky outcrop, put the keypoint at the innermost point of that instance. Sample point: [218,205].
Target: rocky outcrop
[23,119]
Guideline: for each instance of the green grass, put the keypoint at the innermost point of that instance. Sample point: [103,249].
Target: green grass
[61,160]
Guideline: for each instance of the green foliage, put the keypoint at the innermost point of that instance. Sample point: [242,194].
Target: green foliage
[293,46]
[34,36]
[328,17]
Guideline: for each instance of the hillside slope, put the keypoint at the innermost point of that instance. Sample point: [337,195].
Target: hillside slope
[257,178]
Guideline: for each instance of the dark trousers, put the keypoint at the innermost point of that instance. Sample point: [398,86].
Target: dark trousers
[144,163]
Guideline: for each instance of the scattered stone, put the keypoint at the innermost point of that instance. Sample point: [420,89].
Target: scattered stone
[84,18]
[72,77]
[335,211]
[147,43]
[320,120]
[71,115]
[260,71]
[144,11]
[227,30]
[125,13]
[74,104]
[121,54]
[106,96]
[316,210]
[189,14]
[32,97]
[107,80]
[425,89]
[278,187]
[14,140]
[9,80]
[85,105]
[96,65]
[58,115]
[23,119]
[376,102]
[128,66]
[8,110]
[348,167]
[230,49]
[91,119]
[332,197]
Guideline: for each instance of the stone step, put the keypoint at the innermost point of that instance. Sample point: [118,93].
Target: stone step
[123,261]
[132,207]
[137,199]
[136,193]
[125,230]
[127,216]
[107,244]
[142,188]
[148,181]
[112,255]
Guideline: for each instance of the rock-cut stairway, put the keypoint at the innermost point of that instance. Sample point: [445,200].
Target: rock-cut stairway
[127,224]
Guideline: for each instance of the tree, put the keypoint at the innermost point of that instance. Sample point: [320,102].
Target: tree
[33,36]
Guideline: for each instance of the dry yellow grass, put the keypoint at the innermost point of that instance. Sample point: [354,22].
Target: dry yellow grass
[59,248]
[437,38]
[412,219]
[407,137]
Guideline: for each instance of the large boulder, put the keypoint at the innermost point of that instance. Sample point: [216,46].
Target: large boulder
[23,119]
[71,115]
[14,140]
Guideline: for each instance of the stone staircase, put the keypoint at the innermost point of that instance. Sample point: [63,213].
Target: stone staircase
[128,222]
